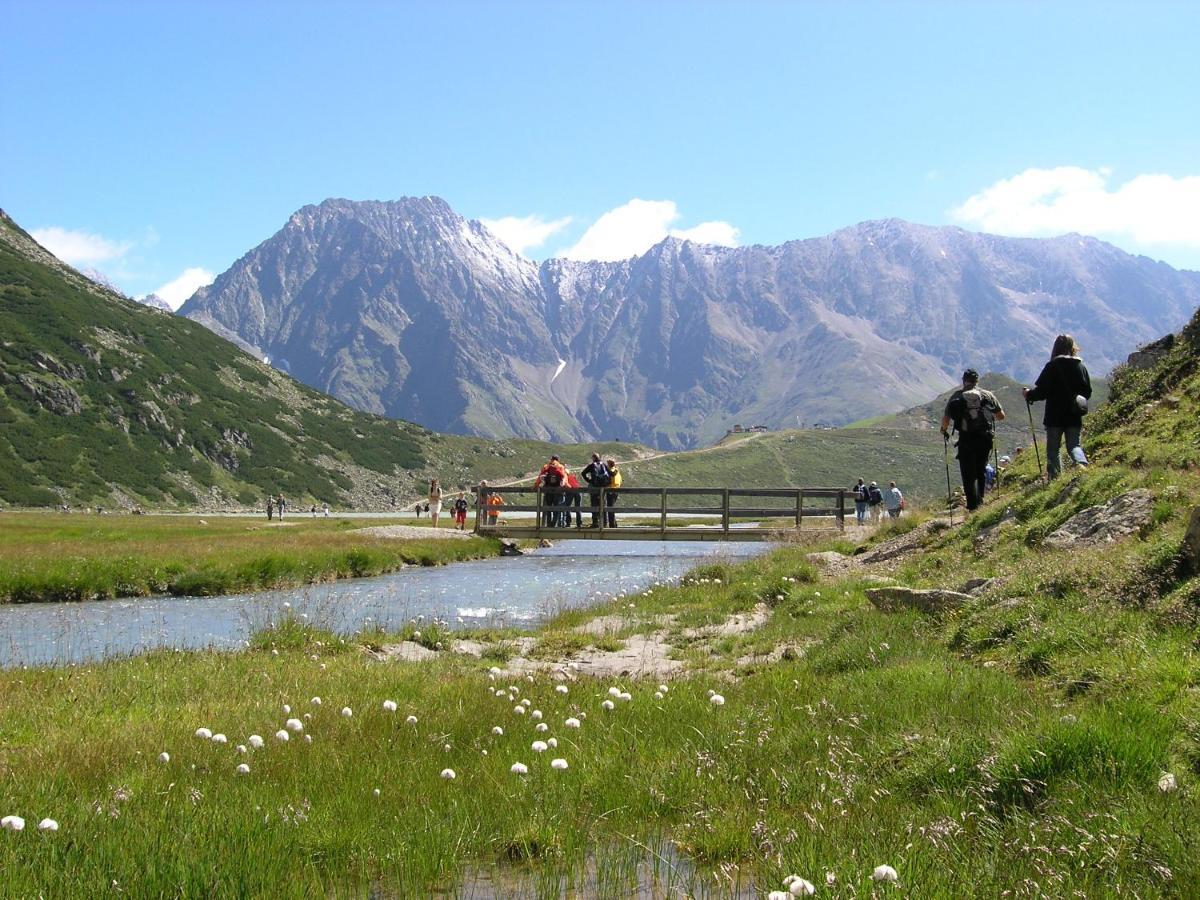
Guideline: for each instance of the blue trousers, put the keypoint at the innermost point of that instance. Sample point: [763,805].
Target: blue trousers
[1054,438]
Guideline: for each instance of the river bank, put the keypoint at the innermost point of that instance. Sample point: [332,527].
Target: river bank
[52,557]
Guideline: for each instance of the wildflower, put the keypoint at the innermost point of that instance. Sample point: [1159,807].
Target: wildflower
[204,734]
[389,705]
[416,635]
[716,700]
[315,701]
[553,742]
[308,739]
[658,695]
[885,873]
[281,735]
[448,774]
[411,720]
[287,710]
[220,739]
[541,726]
[608,704]
[12,823]
[539,746]
[536,715]
[562,689]
[519,769]
[254,741]
[519,710]
[830,879]
[500,692]
[801,887]
[164,757]
[614,692]
[572,722]
[559,763]
[243,769]
[47,825]
[662,689]
[494,670]
[626,696]
[1166,783]
[241,748]
[779,895]
[711,692]
[498,731]
[347,712]
[294,725]
[308,717]
[375,792]
[446,748]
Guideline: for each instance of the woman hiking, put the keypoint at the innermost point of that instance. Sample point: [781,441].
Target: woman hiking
[435,501]
[1065,386]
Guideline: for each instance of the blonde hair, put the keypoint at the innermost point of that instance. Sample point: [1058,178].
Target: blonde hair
[1064,345]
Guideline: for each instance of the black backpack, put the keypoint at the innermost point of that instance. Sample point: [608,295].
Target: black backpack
[976,414]
[875,495]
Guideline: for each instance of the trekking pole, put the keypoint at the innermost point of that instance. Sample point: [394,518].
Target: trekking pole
[946,459]
[1033,434]
[996,466]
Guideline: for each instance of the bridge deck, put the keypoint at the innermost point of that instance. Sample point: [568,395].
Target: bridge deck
[789,508]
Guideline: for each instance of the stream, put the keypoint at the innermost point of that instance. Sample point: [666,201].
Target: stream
[520,591]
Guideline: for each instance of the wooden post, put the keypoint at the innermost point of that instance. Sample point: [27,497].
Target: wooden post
[799,506]
[842,510]
[725,510]
[662,521]
[480,501]
[603,508]
[538,525]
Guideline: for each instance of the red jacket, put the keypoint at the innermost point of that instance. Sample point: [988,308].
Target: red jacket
[547,469]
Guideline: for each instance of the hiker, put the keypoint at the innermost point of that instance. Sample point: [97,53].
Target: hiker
[552,477]
[595,474]
[434,506]
[270,507]
[989,477]
[460,511]
[325,508]
[575,499]
[610,497]
[417,508]
[313,510]
[875,502]
[974,413]
[860,502]
[280,503]
[494,502]
[893,500]
[1066,387]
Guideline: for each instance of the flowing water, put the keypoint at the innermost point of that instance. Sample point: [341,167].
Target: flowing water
[521,591]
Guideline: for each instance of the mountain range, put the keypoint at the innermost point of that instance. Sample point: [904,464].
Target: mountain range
[407,309]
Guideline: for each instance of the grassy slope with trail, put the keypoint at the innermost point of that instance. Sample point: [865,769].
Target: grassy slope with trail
[1012,747]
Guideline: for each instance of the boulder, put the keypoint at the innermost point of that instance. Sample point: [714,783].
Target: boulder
[1190,551]
[1103,524]
[896,599]
[1151,354]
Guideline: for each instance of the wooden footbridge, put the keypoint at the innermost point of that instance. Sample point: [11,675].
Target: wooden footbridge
[656,514]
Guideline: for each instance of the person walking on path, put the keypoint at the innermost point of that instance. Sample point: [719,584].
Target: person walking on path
[460,511]
[494,501]
[270,507]
[860,502]
[875,502]
[1066,387]
[435,501]
[280,503]
[595,474]
[973,412]
[610,497]
[893,500]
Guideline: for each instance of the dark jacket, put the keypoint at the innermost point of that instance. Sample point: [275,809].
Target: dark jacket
[1062,380]
[595,474]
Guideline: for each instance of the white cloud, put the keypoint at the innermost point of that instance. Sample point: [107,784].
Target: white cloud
[176,291]
[523,233]
[80,248]
[640,224]
[1150,209]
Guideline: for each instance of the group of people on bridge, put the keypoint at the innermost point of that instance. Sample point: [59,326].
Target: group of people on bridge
[563,493]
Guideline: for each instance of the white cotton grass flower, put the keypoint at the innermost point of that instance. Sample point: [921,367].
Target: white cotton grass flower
[294,725]
[519,710]
[800,887]
[500,692]
[220,739]
[779,895]
[47,825]
[315,701]
[626,696]
[658,695]
[885,873]
[376,792]
[571,722]
[347,712]
[281,735]
[830,879]
[411,720]
[494,670]
[308,717]
[541,726]
[608,704]
[711,692]
[662,688]
[241,748]
[558,763]
[553,742]
[308,739]
[164,757]
[204,734]
[539,746]
[536,715]
[12,823]
[448,774]
[255,741]
[389,705]
[498,731]
[519,769]
[243,769]
[446,748]
[562,689]
[287,709]
[1167,783]
[716,700]
[614,692]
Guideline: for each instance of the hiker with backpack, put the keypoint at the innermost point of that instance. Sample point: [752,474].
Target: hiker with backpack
[552,477]
[860,502]
[875,502]
[973,412]
[610,496]
[1066,387]
[893,500]
[595,475]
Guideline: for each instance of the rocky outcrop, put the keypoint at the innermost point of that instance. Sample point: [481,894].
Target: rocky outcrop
[897,599]
[1190,550]
[1108,522]
[407,309]
[1151,354]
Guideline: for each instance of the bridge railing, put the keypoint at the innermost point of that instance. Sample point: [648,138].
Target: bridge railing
[595,508]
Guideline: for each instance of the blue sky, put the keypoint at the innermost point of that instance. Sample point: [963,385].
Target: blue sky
[150,139]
